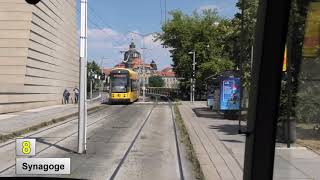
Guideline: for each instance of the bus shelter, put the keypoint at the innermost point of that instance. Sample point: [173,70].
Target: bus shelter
[224,92]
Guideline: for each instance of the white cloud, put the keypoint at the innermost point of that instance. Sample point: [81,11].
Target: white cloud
[97,33]
[109,42]
[149,41]
[225,8]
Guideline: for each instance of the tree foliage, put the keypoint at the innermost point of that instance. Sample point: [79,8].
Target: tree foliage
[93,69]
[156,81]
[208,35]
[304,70]
[244,23]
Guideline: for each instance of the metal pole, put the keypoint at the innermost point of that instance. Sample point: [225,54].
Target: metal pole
[86,70]
[144,72]
[101,81]
[193,75]
[251,57]
[191,90]
[289,92]
[91,90]
[241,59]
[82,76]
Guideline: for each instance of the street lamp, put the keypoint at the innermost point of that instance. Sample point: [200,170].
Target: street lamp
[192,88]
[92,77]
[82,124]
[103,75]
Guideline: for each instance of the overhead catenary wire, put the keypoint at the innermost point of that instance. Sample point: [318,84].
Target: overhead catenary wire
[165,11]
[104,22]
[161,12]
[90,20]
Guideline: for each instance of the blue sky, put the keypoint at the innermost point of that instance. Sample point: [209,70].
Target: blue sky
[112,21]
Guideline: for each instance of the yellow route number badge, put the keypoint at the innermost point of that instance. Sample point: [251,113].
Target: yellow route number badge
[25,147]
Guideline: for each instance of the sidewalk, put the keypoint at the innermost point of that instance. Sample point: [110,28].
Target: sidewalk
[13,122]
[220,149]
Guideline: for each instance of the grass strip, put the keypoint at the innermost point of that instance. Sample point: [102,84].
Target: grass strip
[4,138]
[185,139]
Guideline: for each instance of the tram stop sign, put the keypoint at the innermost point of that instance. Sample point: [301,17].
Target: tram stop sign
[32,1]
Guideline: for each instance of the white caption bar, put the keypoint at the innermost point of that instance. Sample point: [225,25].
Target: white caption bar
[43,166]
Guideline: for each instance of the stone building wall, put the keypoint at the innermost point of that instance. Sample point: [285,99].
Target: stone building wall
[39,54]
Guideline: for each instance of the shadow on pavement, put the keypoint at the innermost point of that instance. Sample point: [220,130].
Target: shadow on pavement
[229,129]
[55,145]
[207,113]
[232,141]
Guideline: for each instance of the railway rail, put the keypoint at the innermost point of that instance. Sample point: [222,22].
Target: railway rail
[117,169]
[96,114]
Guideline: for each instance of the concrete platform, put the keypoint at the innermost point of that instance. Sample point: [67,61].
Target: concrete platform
[220,149]
[13,122]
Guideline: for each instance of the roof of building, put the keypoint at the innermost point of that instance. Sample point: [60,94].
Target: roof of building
[167,69]
[137,62]
[167,72]
[107,71]
[120,65]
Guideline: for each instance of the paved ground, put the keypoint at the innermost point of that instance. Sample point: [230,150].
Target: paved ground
[110,133]
[221,150]
[13,122]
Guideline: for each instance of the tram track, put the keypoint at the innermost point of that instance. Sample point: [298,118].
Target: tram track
[179,161]
[144,128]
[177,140]
[66,137]
[131,145]
[47,128]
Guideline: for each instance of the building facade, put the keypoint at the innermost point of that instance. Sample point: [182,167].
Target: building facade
[39,54]
[169,78]
[132,59]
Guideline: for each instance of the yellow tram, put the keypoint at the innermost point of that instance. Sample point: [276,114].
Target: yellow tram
[123,85]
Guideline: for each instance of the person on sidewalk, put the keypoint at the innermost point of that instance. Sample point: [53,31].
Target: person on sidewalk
[66,96]
[76,94]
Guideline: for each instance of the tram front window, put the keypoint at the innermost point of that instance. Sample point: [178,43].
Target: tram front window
[119,84]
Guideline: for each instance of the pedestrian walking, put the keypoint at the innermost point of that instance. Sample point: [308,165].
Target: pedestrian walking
[66,96]
[76,94]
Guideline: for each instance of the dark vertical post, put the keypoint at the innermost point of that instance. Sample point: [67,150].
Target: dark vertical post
[270,37]
[289,90]
[242,50]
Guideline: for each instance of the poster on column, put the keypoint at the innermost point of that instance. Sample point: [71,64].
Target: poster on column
[230,94]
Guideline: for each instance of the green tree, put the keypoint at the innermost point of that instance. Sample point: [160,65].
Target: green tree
[244,23]
[92,70]
[208,35]
[156,81]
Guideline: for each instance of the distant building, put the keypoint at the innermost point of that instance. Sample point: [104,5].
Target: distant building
[153,66]
[169,77]
[107,71]
[130,55]
[39,54]
[132,59]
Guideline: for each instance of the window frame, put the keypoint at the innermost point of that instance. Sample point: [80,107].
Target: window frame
[270,38]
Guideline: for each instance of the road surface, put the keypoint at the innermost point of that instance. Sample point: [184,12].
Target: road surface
[124,142]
